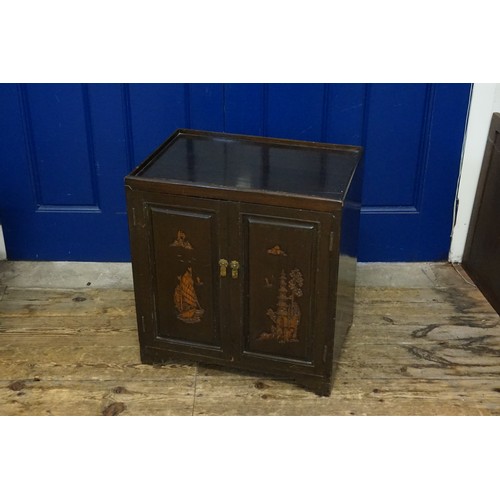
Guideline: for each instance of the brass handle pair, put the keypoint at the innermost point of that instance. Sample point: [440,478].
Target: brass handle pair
[234,265]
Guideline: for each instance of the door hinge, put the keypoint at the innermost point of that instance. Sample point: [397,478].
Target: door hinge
[332,236]
[325,350]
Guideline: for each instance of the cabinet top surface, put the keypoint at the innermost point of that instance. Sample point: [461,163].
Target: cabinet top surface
[252,163]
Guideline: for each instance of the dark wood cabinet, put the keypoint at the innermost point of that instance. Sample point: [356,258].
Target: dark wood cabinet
[244,252]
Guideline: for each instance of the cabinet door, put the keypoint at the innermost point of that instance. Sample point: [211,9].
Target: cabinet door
[181,306]
[286,307]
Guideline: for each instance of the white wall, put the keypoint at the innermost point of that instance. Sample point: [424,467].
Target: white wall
[485,101]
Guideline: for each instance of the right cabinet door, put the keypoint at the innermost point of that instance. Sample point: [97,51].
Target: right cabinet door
[286,268]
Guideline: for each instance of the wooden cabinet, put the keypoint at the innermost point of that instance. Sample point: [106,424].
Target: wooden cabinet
[244,252]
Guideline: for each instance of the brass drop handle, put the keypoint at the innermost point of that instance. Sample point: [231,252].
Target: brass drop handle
[235,265]
[223,263]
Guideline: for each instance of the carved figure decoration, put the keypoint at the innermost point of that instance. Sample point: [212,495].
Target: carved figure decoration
[276,250]
[286,317]
[269,282]
[181,241]
[186,300]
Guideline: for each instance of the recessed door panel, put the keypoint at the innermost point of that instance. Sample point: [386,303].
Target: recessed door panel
[183,252]
[283,272]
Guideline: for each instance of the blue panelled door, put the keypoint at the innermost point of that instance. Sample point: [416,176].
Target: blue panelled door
[65,148]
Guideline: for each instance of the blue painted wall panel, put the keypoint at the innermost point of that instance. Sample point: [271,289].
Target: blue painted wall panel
[206,106]
[64,150]
[395,136]
[422,232]
[345,113]
[109,125]
[295,111]
[17,192]
[56,122]
[155,111]
[244,108]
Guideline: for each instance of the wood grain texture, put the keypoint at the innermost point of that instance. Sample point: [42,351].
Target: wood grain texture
[109,397]
[265,397]
[432,349]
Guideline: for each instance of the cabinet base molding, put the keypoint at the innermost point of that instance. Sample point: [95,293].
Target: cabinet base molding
[316,384]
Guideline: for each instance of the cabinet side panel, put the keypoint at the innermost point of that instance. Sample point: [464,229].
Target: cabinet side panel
[347,261]
[140,264]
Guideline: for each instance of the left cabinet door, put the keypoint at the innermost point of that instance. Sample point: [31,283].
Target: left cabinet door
[179,291]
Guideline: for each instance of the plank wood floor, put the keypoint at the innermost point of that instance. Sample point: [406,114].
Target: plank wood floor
[424,342]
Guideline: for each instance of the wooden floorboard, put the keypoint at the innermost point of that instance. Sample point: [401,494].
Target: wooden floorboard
[99,397]
[424,342]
